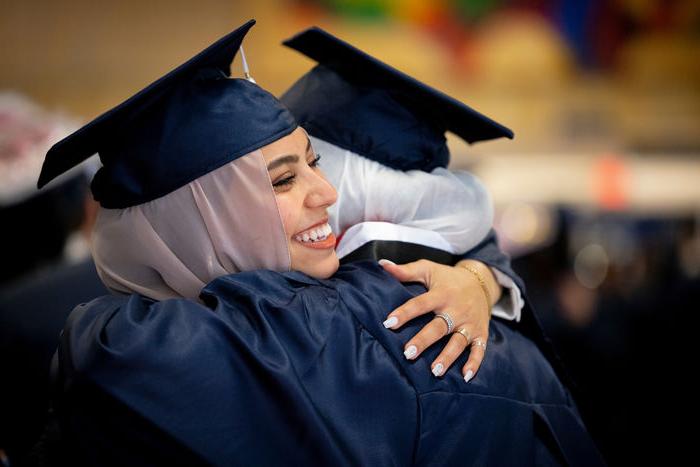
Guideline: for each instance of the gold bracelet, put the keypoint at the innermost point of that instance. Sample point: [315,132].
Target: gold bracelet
[482,283]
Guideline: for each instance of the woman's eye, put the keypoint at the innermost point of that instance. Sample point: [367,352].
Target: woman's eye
[315,161]
[287,181]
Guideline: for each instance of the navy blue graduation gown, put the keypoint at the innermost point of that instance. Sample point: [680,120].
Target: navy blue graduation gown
[283,369]
[44,303]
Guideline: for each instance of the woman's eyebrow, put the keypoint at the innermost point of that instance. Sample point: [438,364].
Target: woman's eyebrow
[290,158]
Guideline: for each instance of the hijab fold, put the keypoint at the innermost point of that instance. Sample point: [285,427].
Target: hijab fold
[160,250]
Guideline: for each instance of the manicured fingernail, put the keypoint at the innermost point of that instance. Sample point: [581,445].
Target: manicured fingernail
[410,352]
[391,322]
[437,369]
[468,376]
[384,262]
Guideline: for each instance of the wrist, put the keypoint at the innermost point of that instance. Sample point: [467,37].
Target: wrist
[484,272]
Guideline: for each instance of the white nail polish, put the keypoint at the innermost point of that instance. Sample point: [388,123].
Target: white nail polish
[391,322]
[437,369]
[384,262]
[410,352]
[468,376]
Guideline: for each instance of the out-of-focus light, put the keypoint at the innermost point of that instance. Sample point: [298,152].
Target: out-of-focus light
[611,184]
[591,265]
[520,223]
[524,227]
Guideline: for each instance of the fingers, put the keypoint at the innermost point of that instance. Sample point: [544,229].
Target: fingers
[476,356]
[431,333]
[445,294]
[454,348]
[434,331]
[412,308]
[417,271]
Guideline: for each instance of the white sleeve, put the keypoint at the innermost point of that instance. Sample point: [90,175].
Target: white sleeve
[453,204]
[510,306]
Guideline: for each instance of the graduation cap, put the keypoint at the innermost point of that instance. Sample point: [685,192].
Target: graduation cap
[354,101]
[189,122]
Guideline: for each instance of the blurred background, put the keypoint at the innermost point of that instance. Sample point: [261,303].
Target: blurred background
[597,197]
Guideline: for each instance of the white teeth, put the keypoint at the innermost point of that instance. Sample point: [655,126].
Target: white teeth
[315,235]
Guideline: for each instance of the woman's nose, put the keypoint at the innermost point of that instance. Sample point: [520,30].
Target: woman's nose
[322,193]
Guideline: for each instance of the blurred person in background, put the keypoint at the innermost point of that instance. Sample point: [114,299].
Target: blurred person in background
[41,228]
[46,267]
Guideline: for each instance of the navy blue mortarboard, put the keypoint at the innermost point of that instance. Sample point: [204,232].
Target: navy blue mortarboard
[187,123]
[356,102]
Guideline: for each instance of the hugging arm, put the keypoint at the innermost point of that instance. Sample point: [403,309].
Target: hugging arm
[456,206]
[460,291]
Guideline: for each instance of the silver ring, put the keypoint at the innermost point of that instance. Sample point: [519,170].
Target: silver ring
[448,321]
[480,343]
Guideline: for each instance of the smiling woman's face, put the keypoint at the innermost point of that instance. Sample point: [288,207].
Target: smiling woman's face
[303,196]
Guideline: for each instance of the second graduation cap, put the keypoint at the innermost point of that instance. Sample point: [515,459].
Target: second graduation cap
[361,104]
[189,122]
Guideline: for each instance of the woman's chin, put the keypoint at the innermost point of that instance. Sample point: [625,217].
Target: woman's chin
[318,268]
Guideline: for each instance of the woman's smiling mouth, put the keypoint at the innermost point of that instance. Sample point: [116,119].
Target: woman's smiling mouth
[319,236]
